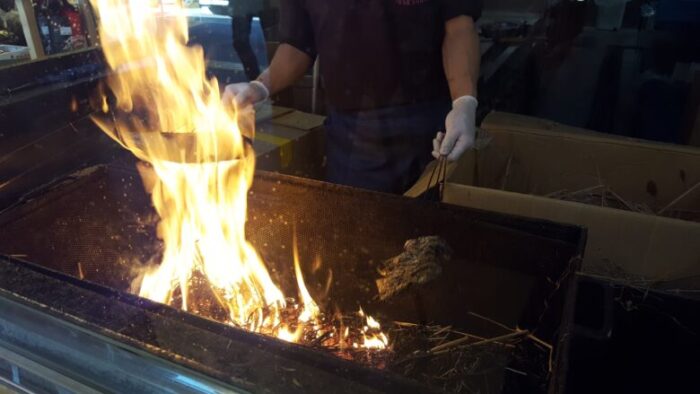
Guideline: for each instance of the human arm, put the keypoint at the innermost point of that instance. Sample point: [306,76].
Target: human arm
[461,59]
[461,56]
[292,59]
[288,65]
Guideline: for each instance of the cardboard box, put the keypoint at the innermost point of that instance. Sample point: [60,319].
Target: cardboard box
[290,142]
[532,156]
[625,245]
[529,158]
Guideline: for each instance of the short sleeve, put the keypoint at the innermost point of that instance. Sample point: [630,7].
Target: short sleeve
[454,8]
[295,27]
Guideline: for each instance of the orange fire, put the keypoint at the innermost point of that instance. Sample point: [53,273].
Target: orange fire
[171,116]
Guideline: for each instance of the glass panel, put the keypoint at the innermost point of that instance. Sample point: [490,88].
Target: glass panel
[46,355]
[41,28]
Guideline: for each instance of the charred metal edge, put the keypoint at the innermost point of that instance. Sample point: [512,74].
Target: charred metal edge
[562,344]
[567,233]
[559,378]
[242,358]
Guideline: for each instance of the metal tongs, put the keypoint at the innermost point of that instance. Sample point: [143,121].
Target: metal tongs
[439,173]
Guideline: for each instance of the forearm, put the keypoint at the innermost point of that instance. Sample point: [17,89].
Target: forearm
[461,56]
[288,66]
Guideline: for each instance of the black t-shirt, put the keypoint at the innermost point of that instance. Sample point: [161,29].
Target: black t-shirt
[375,53]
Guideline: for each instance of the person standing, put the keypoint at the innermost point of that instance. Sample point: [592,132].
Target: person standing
[242,14]
[396,73]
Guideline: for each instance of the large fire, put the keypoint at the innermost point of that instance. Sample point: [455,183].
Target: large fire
[170,115]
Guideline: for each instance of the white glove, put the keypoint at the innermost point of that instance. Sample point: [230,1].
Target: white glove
[245,94]
[461,129]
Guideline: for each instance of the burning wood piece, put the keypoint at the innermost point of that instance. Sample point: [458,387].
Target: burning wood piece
[420,263]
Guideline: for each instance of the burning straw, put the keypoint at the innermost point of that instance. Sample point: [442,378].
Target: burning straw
[169,114]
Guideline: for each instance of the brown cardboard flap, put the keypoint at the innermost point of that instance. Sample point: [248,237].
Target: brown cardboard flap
[279,111]
[639,245]
[299,120]
[541,162]
[290,150]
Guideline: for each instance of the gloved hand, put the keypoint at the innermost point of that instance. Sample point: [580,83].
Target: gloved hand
[245,94]
[460,129]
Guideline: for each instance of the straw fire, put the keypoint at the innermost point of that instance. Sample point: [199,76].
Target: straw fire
[170,115]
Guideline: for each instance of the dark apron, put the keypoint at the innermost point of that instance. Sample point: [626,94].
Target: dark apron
[384,150]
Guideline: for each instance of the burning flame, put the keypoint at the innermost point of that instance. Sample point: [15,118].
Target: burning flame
[311,312]
[372,335]
[170,115]
[178,124]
